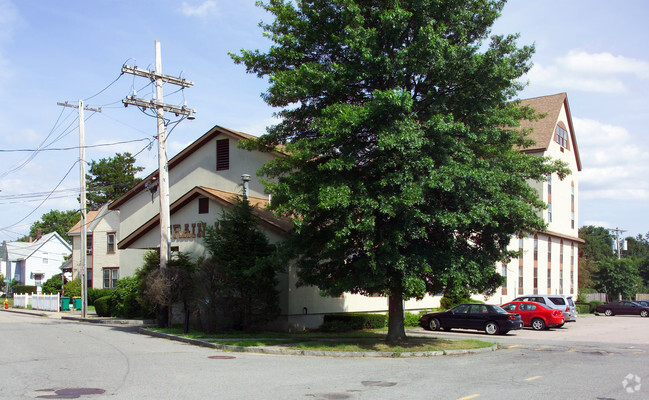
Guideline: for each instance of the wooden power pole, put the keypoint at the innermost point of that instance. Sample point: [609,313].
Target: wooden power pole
[160,107]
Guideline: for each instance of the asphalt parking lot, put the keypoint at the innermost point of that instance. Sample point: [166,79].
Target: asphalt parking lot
[623,329]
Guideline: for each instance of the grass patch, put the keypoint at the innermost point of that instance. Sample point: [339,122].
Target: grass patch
[366,340]
[412,345]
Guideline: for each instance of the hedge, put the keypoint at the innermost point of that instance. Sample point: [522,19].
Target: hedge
[94,294]
[353,322]
[583,308]
[22,289]
[593,305]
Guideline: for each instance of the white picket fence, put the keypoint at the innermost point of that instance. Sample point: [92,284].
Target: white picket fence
[46,302]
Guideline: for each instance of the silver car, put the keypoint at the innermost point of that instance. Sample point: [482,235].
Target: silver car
[555,301]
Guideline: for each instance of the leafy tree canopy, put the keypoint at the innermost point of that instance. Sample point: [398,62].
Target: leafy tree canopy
[109,178]
[617,277]
[403,164]
[54,221]
[598,244]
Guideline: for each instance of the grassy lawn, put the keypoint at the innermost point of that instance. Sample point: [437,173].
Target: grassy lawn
[348,341]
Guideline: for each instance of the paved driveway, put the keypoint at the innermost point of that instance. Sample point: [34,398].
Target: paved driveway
[588,329]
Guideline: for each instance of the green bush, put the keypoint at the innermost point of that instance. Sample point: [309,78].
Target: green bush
[94,294]
[22,289]
[353,322]
[583,308]
[72,288]
[411,320]
[450,302]
[593,305]
[124,299]
[52,285]
[102,306]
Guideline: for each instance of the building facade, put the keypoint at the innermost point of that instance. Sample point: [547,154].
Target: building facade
[34,262]
[205,178]
[548,262]
[102,257]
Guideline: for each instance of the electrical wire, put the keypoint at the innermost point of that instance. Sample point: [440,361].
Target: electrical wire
[75,147]
[44,200]
[110,84]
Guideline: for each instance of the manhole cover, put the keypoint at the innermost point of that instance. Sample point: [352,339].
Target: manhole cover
[69,393]
[378,383]
[221,357]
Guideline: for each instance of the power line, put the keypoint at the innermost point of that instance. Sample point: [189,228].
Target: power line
[44,200]
[75,147]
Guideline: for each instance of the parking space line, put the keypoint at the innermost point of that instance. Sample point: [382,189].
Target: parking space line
[533,378]
[473,396]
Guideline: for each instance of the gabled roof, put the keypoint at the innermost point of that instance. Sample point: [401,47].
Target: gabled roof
[211,134]
[92,218]
[23,250]
[543,128]
[225,198]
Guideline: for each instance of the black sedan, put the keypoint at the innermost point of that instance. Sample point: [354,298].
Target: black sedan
[623,308]
[492,319]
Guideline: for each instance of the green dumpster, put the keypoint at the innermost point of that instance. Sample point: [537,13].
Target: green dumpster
[65,303]
[77,303]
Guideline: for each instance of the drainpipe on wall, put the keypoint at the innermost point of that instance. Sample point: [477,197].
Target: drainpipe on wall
[245,178]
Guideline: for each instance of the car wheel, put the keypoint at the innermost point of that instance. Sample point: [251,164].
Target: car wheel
[643,313]
[448,329]
[491,328]
[433,324]
[538,324]
[608,312]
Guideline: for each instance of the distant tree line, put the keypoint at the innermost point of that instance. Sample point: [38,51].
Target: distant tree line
[601,270]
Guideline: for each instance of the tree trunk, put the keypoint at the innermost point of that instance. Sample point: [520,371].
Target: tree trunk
[396,330]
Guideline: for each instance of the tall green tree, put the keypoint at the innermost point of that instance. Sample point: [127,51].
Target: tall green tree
[109,178]
[596,249]
[618,277]
[403,170]
[54,221]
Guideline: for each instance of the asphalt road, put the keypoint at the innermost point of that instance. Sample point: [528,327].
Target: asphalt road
[52,358]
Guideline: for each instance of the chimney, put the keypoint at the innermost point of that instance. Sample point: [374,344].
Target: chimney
[245,178]
[39,234]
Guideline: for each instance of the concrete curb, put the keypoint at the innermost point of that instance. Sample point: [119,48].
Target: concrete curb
[93,320]
[315,353]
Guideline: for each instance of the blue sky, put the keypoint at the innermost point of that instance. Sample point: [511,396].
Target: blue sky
[52,52]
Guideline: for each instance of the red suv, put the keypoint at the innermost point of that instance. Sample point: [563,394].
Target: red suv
[536,315]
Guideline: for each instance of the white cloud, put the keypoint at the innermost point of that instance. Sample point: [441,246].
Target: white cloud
[207,8]
[603,63]
[614,166]
[589,72]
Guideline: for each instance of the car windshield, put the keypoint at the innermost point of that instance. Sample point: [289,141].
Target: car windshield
[498,310]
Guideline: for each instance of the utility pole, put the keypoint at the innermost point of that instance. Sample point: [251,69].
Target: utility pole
[82,182]
[618,244]
[160,107]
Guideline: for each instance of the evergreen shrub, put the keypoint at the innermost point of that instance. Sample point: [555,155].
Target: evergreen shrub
[102,306]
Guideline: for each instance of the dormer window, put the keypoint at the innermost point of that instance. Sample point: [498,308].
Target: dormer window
[561,137]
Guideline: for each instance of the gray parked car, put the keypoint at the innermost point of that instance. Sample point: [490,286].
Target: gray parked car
[555,301]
